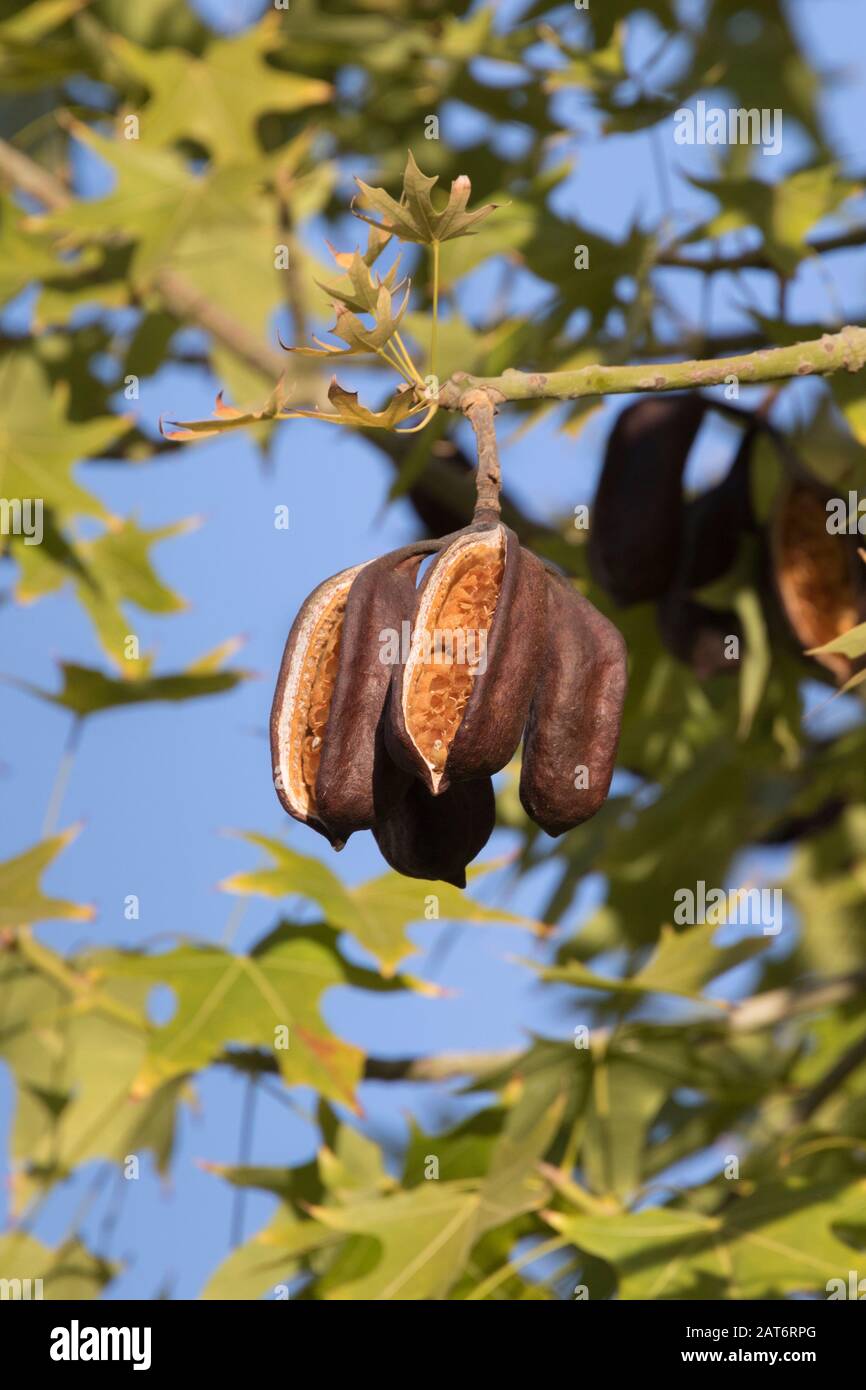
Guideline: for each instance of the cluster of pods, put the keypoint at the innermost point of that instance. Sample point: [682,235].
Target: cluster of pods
[403,737]
[650,542]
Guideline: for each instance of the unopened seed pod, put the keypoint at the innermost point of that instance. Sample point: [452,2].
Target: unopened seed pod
[698,635]
[459,705]
[819,578]
[435,837]
[713,522]
[330,770]
[634,537]
[576,713]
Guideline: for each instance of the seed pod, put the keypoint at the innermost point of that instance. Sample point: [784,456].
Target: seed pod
[302,699]
[576,713]
[818,576]
[634,538]
[698,635]
[435,837]
[459,706]
[333,653]
[713,522]
[357,781]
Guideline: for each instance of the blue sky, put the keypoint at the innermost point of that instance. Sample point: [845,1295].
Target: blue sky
[157,787]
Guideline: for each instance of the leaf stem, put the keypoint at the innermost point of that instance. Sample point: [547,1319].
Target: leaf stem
[434,331]
[61,780]
[419,380]
[248,1119]
[393,361]
[499,1276]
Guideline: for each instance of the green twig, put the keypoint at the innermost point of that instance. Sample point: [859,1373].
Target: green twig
[833,352]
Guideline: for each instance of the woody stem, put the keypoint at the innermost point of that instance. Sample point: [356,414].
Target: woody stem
[480,410]
[833,352]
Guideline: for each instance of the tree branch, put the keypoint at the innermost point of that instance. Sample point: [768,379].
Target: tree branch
[851,1059]
[30,178]
[833,352]
[179,297]
[184,301]
[758,259]
[760,1011]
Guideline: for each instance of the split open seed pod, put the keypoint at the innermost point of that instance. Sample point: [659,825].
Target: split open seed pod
[576,713]
[357,781]
[818,576]
[436,837]
[459,705]
[330,767]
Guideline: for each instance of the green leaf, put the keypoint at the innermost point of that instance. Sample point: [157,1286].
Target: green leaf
[682,963]
[376,913]
[21,898]
[756,659]
[224,999]
[414,218]
[216,98]
[70,1272]
[779,1241]
[74,1063]
[424,1236]
[357,289]
[357,336]
[784,212]
[851,643]
[403,405]
[108,572]
[86,691]
[24,256]
[39,444]
[271,1258]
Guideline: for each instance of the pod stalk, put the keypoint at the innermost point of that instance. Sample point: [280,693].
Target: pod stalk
[480,411]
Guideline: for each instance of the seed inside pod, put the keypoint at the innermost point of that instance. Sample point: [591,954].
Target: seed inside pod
[302,700]
[453,619]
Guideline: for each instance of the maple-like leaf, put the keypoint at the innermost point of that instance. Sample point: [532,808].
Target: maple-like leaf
[414,218]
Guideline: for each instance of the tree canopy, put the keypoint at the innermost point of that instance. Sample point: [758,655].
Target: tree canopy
[689,1123]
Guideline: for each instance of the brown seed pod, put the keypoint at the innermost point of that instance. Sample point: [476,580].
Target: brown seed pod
[330,693]
[459,706]
[357,781]
[698,635]
[302,699]
[435,837]
[634,538]
[713,523]
[576,713]
[819,578]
